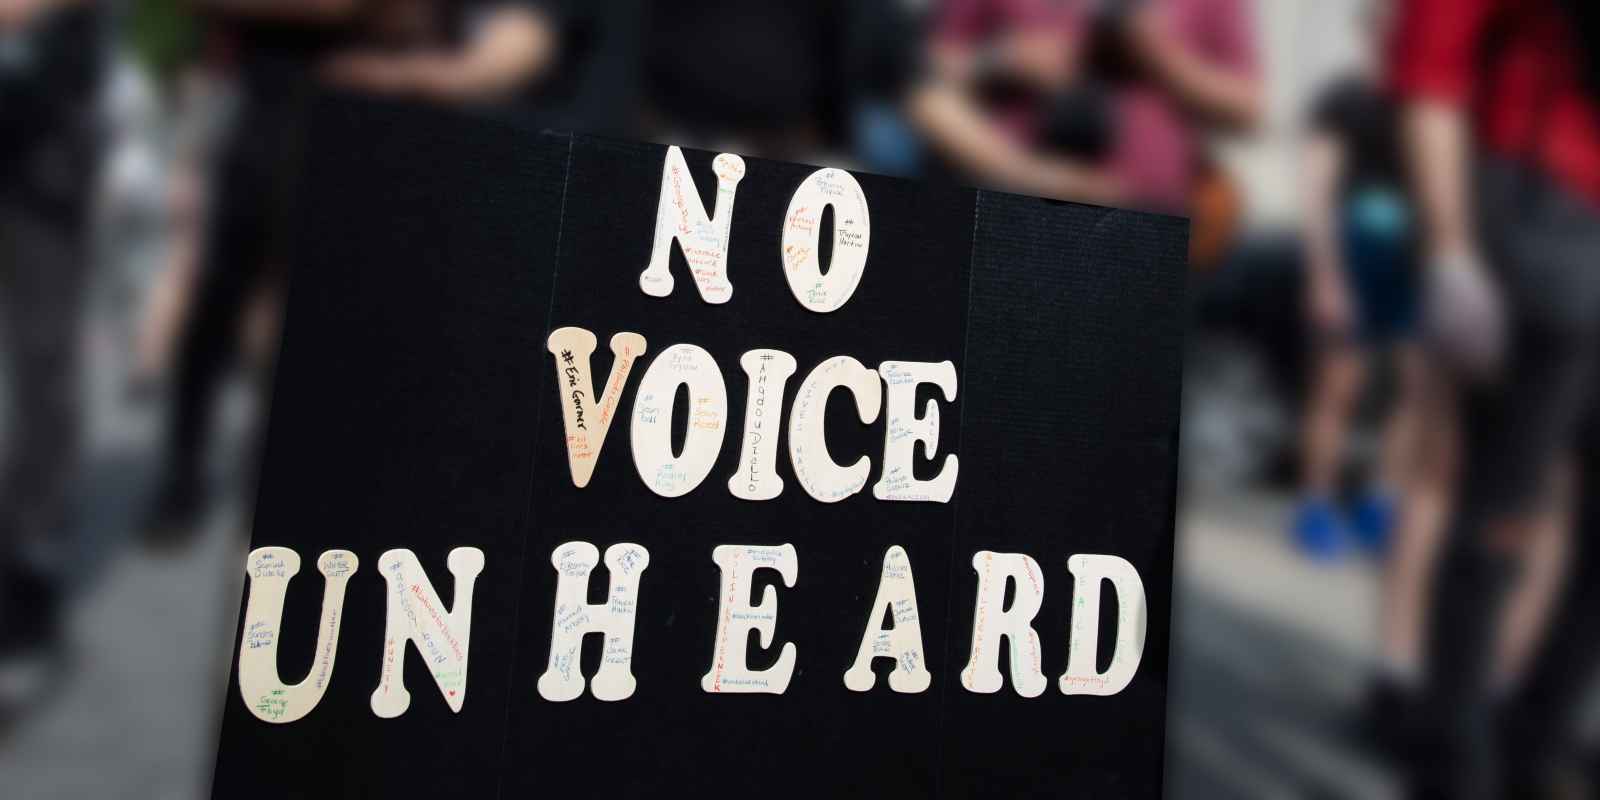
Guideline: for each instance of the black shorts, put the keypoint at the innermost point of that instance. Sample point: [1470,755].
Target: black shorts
[1543,243]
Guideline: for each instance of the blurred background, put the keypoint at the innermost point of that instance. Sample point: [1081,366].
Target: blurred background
[1383,550]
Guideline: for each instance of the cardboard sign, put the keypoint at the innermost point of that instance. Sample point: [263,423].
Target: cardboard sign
[892,514]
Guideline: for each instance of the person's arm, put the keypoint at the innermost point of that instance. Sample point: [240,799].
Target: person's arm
[18,14]
[1224,90]
[1327,298]
[948,119]
[512,48]
[1438,143]
[314,12]
[1433,67]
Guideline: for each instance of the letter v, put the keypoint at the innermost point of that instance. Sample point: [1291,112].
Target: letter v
[587,421]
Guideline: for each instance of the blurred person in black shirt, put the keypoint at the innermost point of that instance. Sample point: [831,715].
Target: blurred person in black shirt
[271,50]
[760,78]
[485,52]
[1361,253]
[51,64]
[885,55]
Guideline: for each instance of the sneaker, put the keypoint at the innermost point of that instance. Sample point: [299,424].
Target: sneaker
[1372,521]
[1315,529]
[31,650]
[175,519]
[1391,719]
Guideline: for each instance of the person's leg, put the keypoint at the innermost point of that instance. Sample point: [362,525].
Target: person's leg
[40,301]
[1420,457]
[1542,243]
[208,340]
[1543,718]
[1337,378]
[1531,600]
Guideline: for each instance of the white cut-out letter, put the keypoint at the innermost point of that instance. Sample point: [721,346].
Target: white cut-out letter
[1088,571]
[802,232]
[766,371]
[817,472]
[905,429]
[681,217]
[415,614]
[666,474]
[903,642]
[574,617]
[587,422]
[990,622]
[270,570]
[730,672]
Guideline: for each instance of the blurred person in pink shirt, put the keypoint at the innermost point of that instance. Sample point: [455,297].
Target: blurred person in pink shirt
[1101,102]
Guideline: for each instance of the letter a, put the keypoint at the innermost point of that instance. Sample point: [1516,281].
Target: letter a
[416,615]
[903,642]
[270,569]
[681,217]
[586,421]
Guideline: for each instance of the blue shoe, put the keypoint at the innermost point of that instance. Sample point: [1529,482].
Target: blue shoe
[1373,521]
[1315,529]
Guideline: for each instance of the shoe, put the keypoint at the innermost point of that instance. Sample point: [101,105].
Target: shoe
[1392,721]
[1315,529]
[32,655]
[1372,522]
[176,516]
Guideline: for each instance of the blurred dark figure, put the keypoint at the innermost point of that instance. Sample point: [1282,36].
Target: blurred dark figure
[884,57]
[271,50]
[1361,250]
[1511,302]
[758,78]
[1361,297]
[490,53]
[1097,101]
[50,69]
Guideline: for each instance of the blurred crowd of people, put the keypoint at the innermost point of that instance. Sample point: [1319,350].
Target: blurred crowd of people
[1450,191]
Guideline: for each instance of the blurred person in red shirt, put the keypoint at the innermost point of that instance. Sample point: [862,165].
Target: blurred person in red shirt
[1503,131]
[1090,101]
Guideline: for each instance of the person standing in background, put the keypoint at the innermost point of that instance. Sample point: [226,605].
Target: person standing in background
[499,53]
[996,70]
[1361,240]
[51,69]
[1179,70]
[1101,102]
[1511,304]
[271,50]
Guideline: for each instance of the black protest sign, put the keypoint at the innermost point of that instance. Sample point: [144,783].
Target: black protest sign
[612,468]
